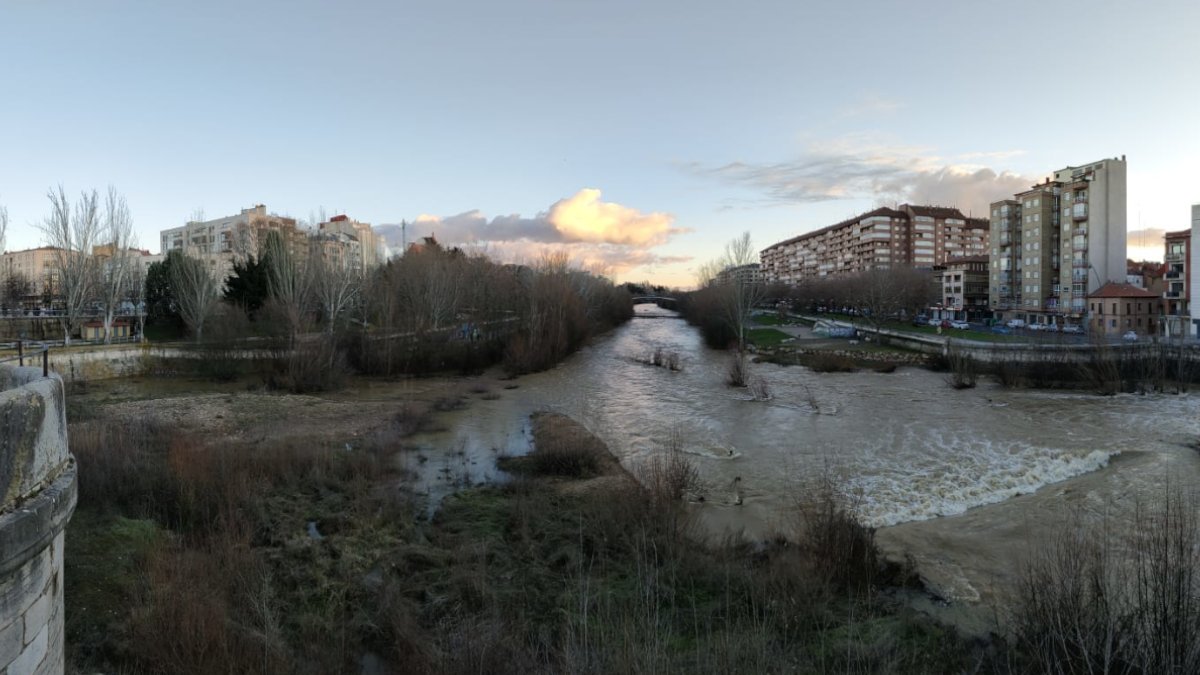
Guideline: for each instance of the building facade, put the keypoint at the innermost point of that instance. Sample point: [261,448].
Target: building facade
[1194,258]
[368,245]
[916,236]
[1176,283]
[221,241]
[743,274]
[1117,308]
[964,284]
[1053,245]
[30,277]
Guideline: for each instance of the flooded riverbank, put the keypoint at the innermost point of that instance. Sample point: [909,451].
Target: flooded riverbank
[956,478]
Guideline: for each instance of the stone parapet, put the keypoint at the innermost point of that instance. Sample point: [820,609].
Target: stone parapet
[37,497]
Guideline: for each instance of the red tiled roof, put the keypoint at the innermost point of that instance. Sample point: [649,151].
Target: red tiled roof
[1115,290]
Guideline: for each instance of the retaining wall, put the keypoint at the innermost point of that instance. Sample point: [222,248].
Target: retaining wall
[37,497]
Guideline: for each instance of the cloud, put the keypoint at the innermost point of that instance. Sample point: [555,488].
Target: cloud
[594,233]
[1146,237]
[871,104]
[584,217]
[857,167]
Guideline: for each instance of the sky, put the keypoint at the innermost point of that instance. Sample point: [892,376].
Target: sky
[639,136]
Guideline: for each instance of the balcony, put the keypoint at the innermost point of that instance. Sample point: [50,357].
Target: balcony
[1171,295]
[1079,232]
[1079,211]
[1173,257]
[1174,275]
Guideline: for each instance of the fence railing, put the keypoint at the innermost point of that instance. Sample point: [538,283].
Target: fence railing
[43,350]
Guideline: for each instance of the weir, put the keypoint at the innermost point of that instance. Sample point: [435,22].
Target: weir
[37,498]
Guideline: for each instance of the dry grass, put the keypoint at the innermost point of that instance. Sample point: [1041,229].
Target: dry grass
[1091,602]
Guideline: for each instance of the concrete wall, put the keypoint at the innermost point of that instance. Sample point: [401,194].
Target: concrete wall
[37,497]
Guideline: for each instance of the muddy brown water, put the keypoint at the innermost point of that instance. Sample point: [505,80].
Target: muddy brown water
[963,481]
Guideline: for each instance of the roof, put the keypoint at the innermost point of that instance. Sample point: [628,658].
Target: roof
[1181,234]
[904,211]
[1115,290]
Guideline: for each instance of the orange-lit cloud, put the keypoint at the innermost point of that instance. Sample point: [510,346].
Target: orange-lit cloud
[594,233]
[584,218]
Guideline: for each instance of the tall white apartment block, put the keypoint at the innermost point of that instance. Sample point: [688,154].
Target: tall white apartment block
[1057,242]
[1094,228]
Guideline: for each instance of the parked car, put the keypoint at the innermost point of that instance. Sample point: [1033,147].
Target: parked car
[1036,326]
[961,325]
[934,322]
[1015,323]
[1002,330]
[1130,336]
[1073,329]
[920,320]
[1052,327]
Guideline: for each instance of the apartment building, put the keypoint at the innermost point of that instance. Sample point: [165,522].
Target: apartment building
[32,274]
[220,241]
[1176,281]
[1194,261]
[368,244]
[749,274]
[1053,245]
[964,284]
[917,236]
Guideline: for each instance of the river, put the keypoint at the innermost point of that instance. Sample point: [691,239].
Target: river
[962,480]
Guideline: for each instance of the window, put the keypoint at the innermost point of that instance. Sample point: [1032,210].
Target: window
[1112,323]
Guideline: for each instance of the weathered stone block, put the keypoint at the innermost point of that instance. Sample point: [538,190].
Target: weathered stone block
[32,656]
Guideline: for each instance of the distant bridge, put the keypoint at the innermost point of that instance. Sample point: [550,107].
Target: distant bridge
[660,300]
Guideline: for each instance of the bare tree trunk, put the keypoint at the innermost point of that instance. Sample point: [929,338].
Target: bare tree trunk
[73,236]
[196,292]
[114,280]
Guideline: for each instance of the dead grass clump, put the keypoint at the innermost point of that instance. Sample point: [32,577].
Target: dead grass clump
[311,366]
[738,373]
[1090,602]
[840,549]
[122,466]
[561,448]
[964,370]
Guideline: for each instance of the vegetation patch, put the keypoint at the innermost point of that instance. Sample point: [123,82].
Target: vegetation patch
[766,338]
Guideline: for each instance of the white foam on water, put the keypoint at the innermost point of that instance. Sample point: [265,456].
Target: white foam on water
[954,474]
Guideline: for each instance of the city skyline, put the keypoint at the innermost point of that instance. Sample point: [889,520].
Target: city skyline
[632,135]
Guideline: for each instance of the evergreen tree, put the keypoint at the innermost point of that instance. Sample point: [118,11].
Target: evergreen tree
[162,309]
[249,286]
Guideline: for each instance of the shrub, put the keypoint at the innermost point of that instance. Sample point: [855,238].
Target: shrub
[1089,602]
[964,370]
[311,366]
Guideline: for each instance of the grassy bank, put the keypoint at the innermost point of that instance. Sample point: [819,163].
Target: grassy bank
[195,553]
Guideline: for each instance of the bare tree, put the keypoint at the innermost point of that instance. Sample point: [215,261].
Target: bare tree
[17,289]
[135,295]
[738,289]
[115,269]
[290,284]
[73,235]
[335,285]
[197,291]
[883,293]
[3,227]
